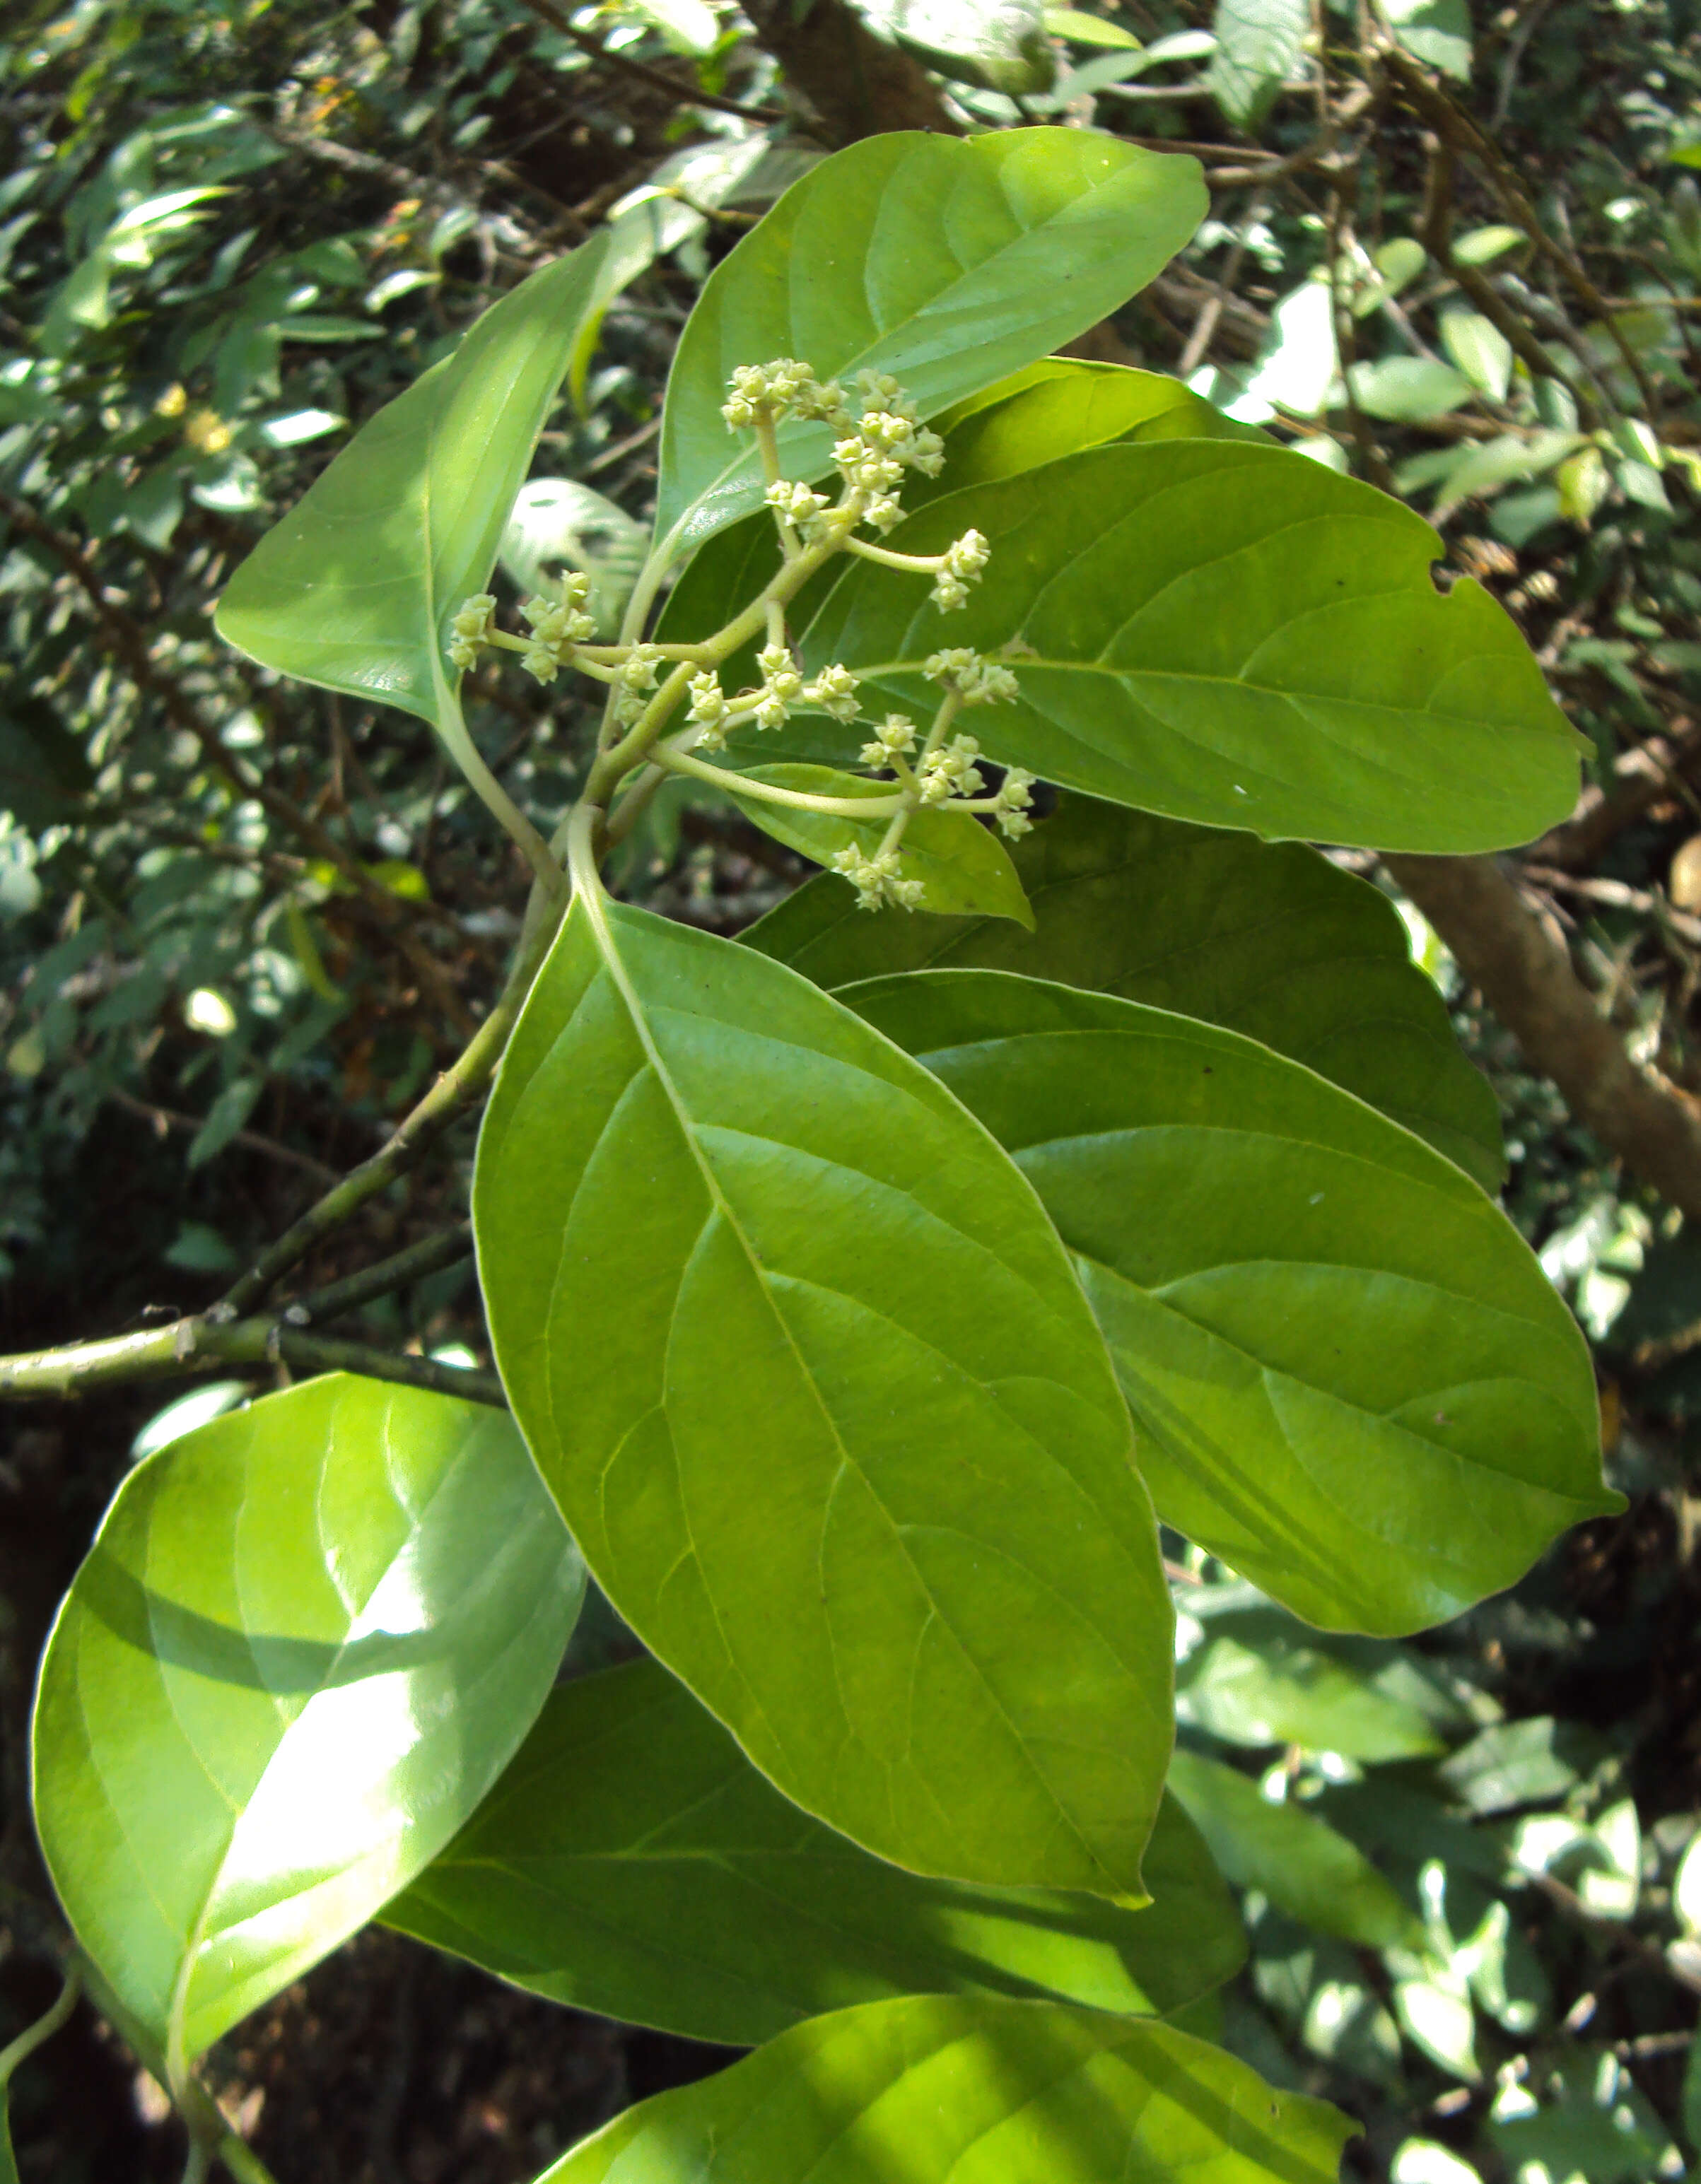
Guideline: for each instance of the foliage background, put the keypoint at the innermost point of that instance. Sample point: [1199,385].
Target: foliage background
[241,923]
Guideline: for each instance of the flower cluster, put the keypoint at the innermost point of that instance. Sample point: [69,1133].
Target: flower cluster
[894,738]
[761,392]
[1013,802]
[876,879]
[472,628]
[977,680]
[557,626]
[961,565]
[950,772]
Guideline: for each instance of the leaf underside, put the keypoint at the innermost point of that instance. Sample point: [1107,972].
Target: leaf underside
[796,1351]
[1350,1377]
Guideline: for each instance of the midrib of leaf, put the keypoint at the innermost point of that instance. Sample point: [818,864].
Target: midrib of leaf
[177,2061]
[609,952]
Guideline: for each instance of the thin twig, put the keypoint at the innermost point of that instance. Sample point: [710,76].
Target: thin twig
[168,1118]
[337,1299]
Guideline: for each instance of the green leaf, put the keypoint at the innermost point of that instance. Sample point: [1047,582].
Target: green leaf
[963,865]
[1082,28]
[980,2091]
[1408,390]
[308,1639]
[1059,406]
[355,588]
[1297,1861]
[1259,43]
[633,1862]
[1257,1682]
[1228,634]
[1271,940]
[1480,349]
[1000,45]
[797,1352]
[1350,1377]
[948,261]
[1437,32]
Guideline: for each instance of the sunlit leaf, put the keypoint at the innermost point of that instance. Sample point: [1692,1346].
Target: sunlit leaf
[945,261]
[797,1352]
[309,1637]
[979,2091]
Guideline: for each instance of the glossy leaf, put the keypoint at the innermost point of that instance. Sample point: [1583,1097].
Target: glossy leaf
[1350,1377]
[964,867]
[949,262]
[1296,1860]
[633,1862]
[308,1639]
[798,1353]
[1270,939]
[1229,634]
[356,587]
[979,2091]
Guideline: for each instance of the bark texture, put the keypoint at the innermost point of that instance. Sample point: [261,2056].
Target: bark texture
[1523,970]
[858,84]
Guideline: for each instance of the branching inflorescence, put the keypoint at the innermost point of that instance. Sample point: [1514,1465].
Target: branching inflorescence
[880,441]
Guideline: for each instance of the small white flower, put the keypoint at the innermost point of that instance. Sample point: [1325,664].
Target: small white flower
[1015,798]
[834,691]
[876,879]
[795,502]
[977,680]
[895,738]
[951,772]
[473,626]
[637,672]
[780,677]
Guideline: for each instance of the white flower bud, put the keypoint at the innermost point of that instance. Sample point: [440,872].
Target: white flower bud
[474,624]
[895,738]
[780,677]
[977,680]
[834,691]
[876,879]
[1015,797]
[795,501]
[637,672]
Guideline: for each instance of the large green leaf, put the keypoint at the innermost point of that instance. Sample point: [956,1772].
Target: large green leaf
[356,587]
[949,262]
[1257,1679]
[633,1862]
[1350,1377]
[1269,939]
[1231,634]
[979,2092]
[805,1368]
[963,865]
[1299,1863]
[308,1639]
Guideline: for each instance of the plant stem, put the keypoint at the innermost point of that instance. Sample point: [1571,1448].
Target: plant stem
[763,792]
[448,1099]
[427,1257]
[45,2026]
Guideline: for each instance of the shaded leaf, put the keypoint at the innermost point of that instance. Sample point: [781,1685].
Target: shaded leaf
[44,774]
[1349,1375]
[797,1352]
[981,2092]
[633,1862]
[1270,939]
[309,1637]
[1262,1685]
[1408,390]
[949,262]
[1302,1866]
[1229,634]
